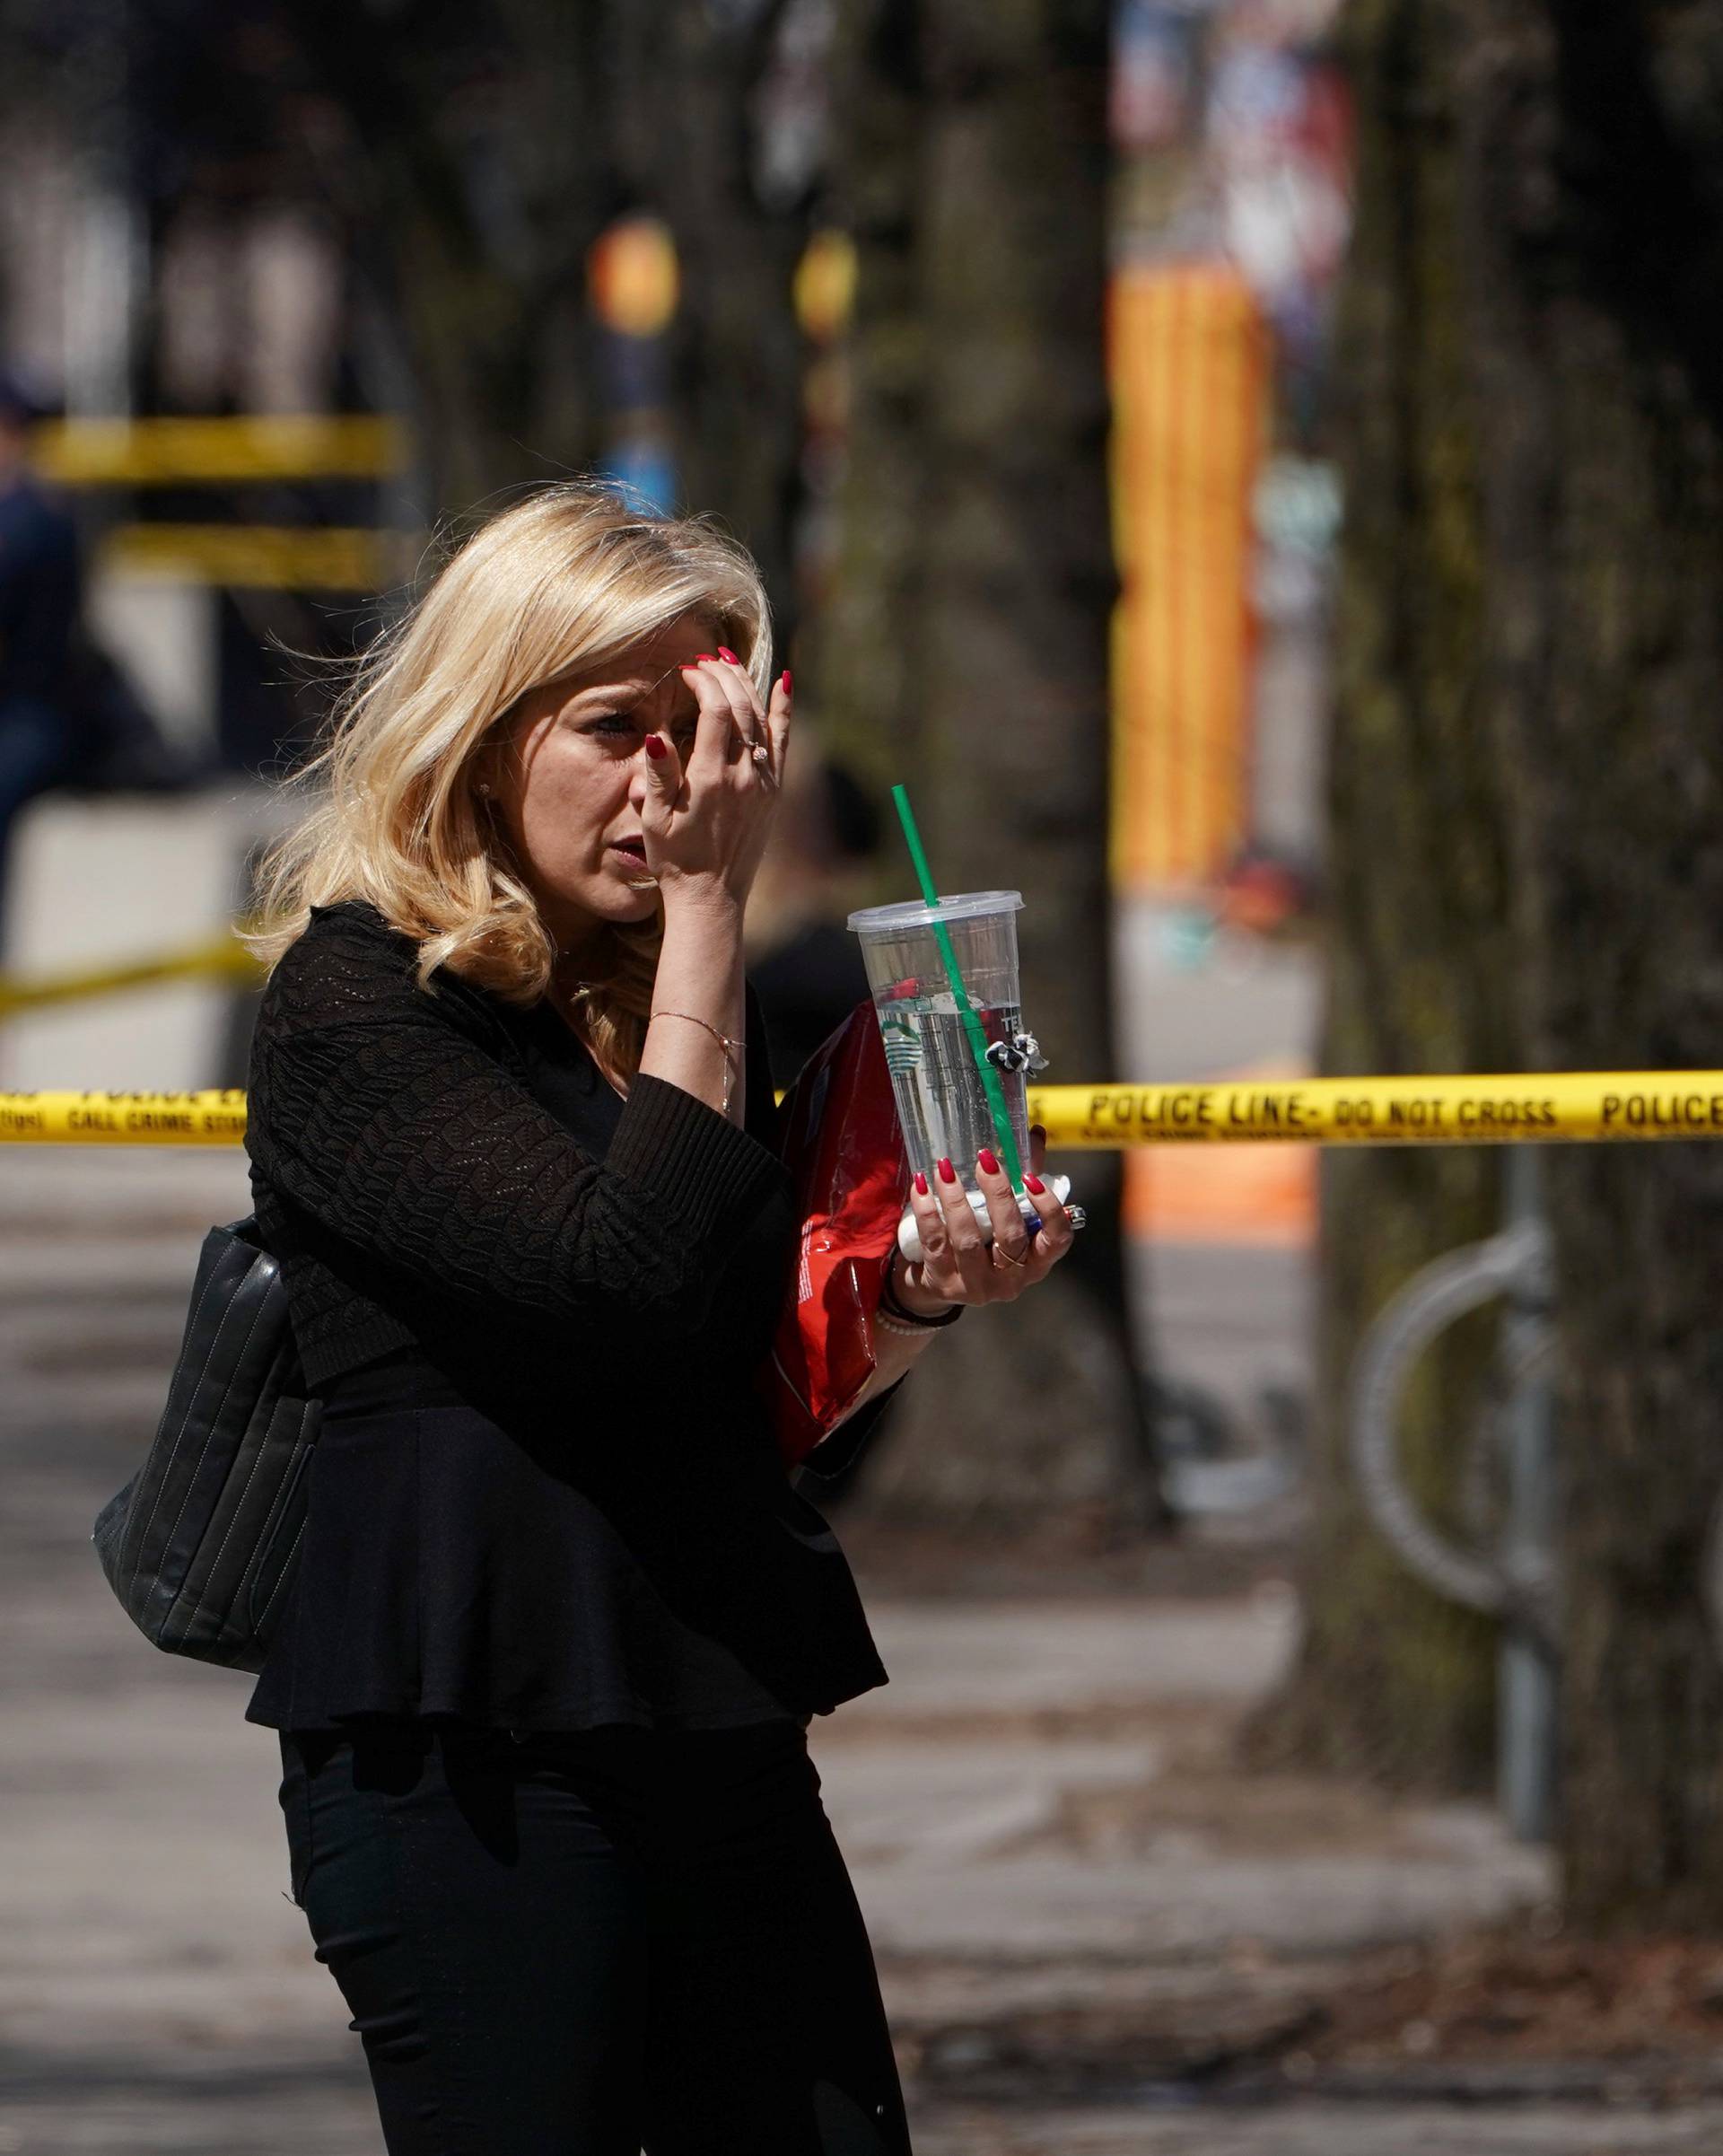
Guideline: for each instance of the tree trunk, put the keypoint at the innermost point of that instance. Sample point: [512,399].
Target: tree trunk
[692,75]
[1528,841]
[969,640]
[474,194]
[1594,211]
[1392,1681]
[862,653]
[481,168]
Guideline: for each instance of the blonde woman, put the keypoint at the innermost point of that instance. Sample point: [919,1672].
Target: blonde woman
[559,1621]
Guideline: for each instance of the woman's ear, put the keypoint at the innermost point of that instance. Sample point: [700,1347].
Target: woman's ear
[496,769]
[482,774]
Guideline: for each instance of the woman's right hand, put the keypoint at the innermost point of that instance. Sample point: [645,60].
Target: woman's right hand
[957,1264]
[705,823]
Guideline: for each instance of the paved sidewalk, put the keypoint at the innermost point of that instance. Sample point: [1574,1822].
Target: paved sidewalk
[1312,2129]
[954,1836]
[1073,1895]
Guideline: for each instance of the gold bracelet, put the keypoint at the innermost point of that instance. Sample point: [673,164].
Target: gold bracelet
[729,1046]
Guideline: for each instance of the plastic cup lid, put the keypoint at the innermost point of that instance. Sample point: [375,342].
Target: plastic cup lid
[913,913]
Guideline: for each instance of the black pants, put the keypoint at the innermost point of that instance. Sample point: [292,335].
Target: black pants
[587,1944]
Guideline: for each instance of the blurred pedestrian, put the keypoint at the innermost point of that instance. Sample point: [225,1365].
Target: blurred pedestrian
[39,614]
[559,1622]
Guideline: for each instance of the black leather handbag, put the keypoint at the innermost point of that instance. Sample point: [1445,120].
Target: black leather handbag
[200,1544]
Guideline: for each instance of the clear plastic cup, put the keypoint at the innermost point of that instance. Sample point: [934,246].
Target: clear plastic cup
[942,1099]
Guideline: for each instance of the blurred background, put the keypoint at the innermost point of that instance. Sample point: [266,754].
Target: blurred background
[1253,469]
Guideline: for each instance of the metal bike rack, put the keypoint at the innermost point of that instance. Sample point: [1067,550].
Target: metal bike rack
[1516,1581]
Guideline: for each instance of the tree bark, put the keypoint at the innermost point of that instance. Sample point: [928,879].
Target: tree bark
[1390,1680]
[1528,848]
[691,76]
[1594,154]
[472,168]
[482,165]
[862,650]
[966,651]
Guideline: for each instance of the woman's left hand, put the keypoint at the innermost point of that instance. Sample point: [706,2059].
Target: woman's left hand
[957,1264]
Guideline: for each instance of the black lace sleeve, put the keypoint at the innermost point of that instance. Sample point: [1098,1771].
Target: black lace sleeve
[383,1113]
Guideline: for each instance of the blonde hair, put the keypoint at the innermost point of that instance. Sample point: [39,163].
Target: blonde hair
[556,584]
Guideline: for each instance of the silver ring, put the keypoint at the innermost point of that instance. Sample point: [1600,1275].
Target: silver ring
[763,760]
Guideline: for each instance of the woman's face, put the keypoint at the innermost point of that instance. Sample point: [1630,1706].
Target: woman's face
[568,776]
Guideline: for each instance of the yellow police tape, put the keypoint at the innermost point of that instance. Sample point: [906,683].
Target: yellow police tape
[213,1117]
[1587,1106]
[221,958]
[263,557]
[1572,1105]
[190,451]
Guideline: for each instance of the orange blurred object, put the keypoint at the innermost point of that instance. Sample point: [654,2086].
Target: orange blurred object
[823,292]
[631,276]
[1262,1196]
[1189,363]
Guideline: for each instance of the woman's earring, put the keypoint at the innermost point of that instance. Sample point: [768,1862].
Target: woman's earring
[484,786]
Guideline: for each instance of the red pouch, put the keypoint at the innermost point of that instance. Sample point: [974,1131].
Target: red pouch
[837,1134]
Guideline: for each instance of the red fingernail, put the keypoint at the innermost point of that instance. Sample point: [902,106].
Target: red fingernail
[920,1184]
[988,1162]
[1034,1183]
[655,746]
[724,652]
[703,658]
[785,679]
[1038,1130]
[947,1174]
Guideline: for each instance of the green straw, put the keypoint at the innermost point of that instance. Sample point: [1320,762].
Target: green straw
[972,1025]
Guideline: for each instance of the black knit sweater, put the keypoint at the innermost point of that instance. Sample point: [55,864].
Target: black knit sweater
[396,1125]
[435,1188]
